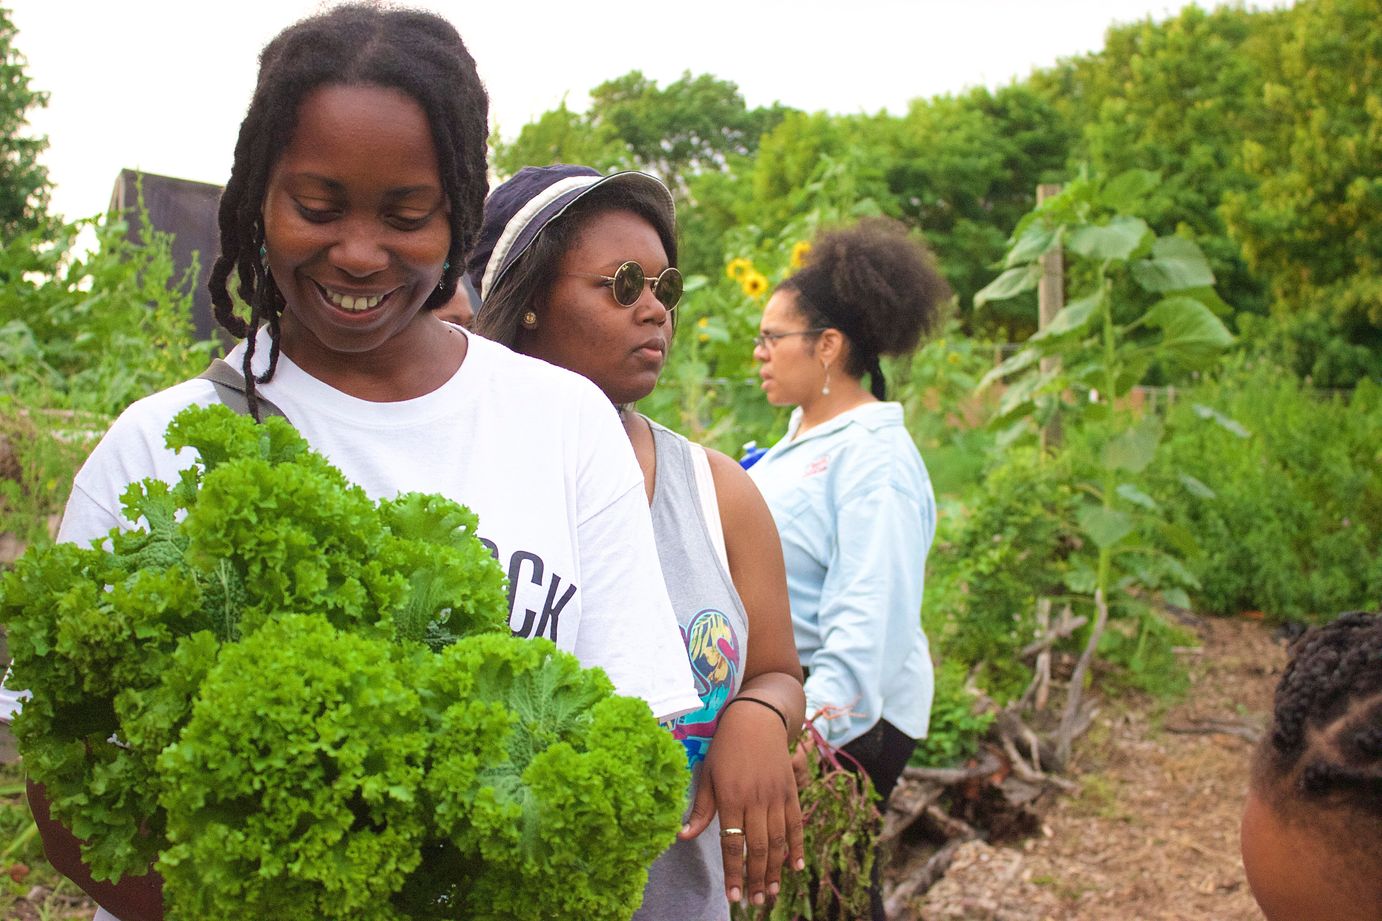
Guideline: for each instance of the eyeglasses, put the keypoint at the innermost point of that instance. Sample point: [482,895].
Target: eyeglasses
[766,340]
[626,284]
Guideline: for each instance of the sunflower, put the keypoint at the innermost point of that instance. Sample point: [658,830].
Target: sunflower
[703,322]
[799,251]
[754,283]
[738,268]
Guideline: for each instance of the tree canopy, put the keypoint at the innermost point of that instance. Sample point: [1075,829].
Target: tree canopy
[24,185]
[1265,128]
[692,125]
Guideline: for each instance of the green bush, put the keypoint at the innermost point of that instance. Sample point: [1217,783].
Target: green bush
[955,726]
[994,556]
[1310,346]
[81,337]
[1141,643]
[1282,487]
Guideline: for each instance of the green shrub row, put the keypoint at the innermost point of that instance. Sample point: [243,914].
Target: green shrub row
[1291,521]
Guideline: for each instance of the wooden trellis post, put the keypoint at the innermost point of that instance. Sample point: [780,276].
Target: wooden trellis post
[1050,299]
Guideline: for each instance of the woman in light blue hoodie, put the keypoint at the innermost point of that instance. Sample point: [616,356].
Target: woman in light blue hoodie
[849,492]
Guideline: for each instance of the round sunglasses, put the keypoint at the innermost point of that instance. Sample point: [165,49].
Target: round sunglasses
[626,284]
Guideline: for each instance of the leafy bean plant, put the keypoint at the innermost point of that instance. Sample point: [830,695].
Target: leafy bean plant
[1006,544]
[1144,309]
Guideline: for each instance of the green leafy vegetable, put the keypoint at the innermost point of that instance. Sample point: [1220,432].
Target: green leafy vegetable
[296,702]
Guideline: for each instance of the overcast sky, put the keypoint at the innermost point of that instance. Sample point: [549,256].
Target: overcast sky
[161,85]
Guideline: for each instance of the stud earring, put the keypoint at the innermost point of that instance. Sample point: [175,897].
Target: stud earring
[825,391]
[530,320]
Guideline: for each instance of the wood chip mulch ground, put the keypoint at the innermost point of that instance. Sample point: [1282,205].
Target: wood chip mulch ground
[1152,833]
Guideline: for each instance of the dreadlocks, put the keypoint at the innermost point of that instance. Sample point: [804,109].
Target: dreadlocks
[415,52]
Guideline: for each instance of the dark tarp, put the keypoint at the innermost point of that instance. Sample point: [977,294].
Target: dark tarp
[187,210]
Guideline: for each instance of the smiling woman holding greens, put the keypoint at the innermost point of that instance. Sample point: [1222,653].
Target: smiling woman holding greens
[357,189]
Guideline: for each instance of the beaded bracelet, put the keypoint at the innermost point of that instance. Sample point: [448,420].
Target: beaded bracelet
[763,703]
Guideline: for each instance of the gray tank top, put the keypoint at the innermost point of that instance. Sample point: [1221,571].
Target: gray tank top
[687,883]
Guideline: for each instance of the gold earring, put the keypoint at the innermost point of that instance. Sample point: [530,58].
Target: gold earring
[530,320]
[825,391]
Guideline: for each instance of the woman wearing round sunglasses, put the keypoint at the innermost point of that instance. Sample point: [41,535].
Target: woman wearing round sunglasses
[849,492]
[579,269]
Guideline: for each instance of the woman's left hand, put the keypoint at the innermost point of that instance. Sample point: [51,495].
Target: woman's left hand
[747,778]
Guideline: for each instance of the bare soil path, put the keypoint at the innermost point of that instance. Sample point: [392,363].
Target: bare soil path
[1152,834]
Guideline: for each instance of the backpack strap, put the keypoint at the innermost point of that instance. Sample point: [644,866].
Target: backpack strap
[230,388]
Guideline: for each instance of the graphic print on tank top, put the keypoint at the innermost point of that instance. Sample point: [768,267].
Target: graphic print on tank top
[714,650]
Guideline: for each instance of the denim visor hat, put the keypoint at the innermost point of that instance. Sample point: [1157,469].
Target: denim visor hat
[517,211]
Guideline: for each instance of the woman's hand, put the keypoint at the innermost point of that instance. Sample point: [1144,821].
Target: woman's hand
[747,778]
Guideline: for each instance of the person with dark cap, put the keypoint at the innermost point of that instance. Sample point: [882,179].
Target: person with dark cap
[849,491]
[579,269]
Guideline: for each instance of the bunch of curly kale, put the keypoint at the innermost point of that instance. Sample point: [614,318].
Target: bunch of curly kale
[296,702]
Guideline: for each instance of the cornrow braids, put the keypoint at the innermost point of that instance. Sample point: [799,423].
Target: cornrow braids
[415,52]
[1325,744]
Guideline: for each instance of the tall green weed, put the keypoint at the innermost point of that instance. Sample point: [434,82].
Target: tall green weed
[82,335]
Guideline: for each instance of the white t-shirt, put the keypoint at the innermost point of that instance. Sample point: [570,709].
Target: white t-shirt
[536,451]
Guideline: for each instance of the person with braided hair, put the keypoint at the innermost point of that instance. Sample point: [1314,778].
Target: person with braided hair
[357,191]
[1312,823]
[849,492]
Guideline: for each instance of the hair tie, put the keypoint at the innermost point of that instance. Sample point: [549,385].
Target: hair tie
[877,384]
[763,703]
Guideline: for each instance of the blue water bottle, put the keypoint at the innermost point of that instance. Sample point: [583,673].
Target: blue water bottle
[752,452]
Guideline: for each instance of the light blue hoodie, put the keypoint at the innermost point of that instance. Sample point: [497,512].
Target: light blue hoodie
[853,505]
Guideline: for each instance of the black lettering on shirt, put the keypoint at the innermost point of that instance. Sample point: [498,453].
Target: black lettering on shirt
[527,567]
[515,567]
[551,612]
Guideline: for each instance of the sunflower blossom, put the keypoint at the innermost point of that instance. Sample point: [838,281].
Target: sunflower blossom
[799,251]
[754,284]
[738,268]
